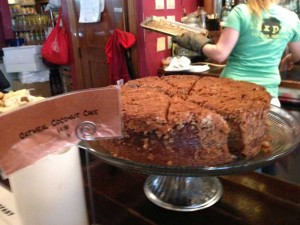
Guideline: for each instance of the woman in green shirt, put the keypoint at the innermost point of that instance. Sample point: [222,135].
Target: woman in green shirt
[253,40]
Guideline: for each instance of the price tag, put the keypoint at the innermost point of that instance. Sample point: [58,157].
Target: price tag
[38,129]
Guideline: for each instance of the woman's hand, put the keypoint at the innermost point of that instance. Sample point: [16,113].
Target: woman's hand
[192,41]
[286,63]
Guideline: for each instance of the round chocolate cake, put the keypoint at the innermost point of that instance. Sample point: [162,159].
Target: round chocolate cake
[184,120]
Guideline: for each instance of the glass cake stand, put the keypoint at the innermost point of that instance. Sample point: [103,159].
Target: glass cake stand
[186,188]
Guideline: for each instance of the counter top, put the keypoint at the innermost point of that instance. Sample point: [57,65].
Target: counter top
[250,198]
[290,79]
[116,197]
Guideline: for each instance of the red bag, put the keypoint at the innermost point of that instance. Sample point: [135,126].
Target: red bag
[55,48]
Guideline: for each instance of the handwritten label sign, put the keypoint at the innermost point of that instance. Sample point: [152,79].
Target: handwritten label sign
[90,10]
[36,130]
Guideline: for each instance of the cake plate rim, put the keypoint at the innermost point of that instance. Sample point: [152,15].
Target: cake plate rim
[282,123]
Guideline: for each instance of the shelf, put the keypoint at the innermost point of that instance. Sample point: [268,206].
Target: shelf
[22,2]
[41,2]
[24,14]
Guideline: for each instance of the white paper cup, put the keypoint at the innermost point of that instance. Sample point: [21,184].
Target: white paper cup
[51,191]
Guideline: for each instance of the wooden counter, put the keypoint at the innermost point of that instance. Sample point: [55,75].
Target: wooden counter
[248,199]
[289,80]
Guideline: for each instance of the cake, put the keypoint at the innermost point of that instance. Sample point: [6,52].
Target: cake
[14,99]
[184,120]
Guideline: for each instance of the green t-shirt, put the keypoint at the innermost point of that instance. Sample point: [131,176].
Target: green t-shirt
[261,44]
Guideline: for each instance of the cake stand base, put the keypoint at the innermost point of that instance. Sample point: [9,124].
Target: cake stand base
[183,193]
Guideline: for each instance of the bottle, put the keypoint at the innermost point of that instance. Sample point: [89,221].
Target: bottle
[202,16]
[37,36]
[232,4]
[217,8]
[26,38]
[17,39]
[225,11]
[31,37]
[208,6]
[184,12]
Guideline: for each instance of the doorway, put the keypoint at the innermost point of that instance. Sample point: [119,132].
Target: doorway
[90,67]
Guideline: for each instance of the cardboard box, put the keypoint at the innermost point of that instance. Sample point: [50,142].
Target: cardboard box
[23,59]
[22,50]
[36,89]
[25,67]
[34,77]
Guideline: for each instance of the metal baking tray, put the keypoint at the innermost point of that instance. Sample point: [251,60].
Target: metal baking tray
[172,28]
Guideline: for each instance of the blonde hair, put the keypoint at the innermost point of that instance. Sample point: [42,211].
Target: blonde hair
[258,6]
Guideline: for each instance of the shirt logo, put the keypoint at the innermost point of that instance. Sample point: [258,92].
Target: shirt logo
[271,28]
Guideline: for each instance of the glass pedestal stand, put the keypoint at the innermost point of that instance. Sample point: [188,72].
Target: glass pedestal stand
[183,193]
[187,188]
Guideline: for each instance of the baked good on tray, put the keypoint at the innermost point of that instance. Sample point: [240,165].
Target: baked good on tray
[191,121]
[14,99]
[170,27]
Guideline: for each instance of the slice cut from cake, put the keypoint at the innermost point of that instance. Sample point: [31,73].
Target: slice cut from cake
[154,83]
[144,110]
[243,105]
[181,83]
[198,134]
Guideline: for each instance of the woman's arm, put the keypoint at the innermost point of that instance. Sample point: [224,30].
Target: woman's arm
[220,51]
[294,56]
[294,48]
